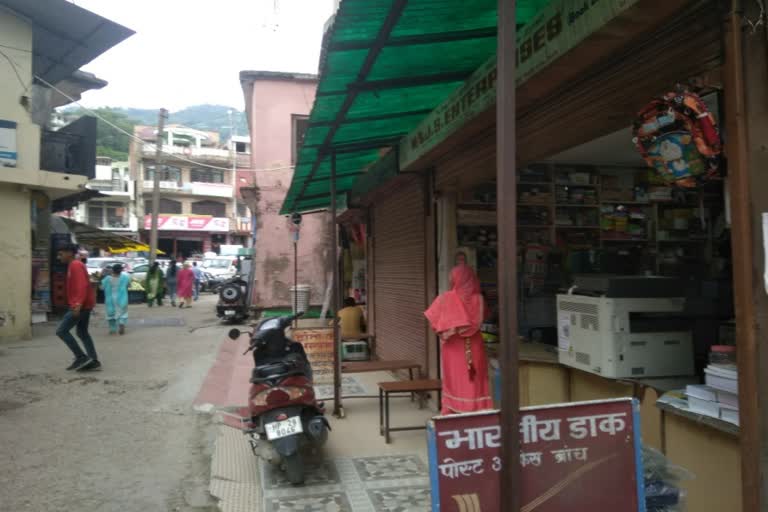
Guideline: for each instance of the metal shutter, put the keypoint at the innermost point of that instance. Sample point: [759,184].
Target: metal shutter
[399,277]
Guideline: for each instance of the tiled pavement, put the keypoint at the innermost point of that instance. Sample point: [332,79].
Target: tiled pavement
[393,483]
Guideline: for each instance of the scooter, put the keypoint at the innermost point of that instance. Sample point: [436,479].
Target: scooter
[285,416]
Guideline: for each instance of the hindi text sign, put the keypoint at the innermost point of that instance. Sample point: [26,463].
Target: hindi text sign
[578,457]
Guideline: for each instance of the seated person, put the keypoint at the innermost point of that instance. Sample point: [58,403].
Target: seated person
[351,320]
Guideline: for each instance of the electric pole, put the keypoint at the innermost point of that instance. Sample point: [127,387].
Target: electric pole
[233,147]
[162,116]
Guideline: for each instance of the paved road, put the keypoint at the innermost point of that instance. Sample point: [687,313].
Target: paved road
[123,439]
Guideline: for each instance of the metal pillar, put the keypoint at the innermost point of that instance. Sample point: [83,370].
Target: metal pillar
[506,188]
[338,409]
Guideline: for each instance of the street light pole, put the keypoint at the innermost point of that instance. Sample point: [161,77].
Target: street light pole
[162,116]
[233,150]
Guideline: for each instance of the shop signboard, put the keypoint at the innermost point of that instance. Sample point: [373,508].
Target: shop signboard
[8,151]
[560,27]
[581,457]
[188,223]
[318,344]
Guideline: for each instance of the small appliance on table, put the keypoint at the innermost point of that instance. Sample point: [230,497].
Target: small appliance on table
[625,327]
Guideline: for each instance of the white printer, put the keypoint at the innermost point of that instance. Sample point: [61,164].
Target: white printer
[625,327]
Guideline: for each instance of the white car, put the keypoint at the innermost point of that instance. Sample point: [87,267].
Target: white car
[97,265]
[221,266]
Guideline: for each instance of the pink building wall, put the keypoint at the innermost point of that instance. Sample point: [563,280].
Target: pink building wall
[271,99]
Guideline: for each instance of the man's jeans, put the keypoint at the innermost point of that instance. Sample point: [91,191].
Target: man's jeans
[197,290]
[66,325]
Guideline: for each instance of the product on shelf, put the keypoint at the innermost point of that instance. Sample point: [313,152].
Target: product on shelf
[662,482]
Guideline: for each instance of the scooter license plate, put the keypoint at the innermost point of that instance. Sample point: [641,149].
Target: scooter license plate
[280,429]
[229,312]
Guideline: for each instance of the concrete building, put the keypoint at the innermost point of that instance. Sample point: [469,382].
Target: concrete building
[241,145]
[197,209]
[115,210]
[278,106]
[40,167]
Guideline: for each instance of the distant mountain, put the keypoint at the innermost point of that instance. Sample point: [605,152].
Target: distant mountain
[110,142]
[212,118]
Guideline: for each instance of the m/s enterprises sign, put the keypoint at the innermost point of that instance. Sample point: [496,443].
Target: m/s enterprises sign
[556,30]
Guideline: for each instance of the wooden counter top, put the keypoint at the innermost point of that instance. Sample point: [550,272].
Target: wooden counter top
[529,352]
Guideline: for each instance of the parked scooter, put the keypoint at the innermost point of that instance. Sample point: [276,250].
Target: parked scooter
[284,413]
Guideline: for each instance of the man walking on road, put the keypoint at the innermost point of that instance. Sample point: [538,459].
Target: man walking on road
[81,300]
[198,277]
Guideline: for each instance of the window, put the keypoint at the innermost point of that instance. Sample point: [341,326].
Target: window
[166,206]
[108,215]
[241,147]
[212,208]
[299,125]
[168,173]
[207,175]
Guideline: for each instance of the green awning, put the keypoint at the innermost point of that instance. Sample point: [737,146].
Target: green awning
[385,65]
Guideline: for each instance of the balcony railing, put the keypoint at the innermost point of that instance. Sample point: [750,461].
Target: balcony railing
[192,153]
[243,161]
[194,188]
[115,186]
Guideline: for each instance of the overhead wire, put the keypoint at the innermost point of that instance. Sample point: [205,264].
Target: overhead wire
[140,140]
[15,67]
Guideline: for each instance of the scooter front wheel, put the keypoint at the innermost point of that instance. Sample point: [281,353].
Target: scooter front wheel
[294,468]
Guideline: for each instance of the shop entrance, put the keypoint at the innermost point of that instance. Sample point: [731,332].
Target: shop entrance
[167,246]
[189,248]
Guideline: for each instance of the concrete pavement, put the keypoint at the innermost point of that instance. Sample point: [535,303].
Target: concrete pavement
[123,439]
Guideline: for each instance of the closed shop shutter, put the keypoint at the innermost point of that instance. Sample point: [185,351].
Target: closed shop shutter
[399,276]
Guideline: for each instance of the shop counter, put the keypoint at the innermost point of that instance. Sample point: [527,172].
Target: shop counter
[707,447]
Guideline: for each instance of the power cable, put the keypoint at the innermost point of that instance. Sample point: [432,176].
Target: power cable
[15,68]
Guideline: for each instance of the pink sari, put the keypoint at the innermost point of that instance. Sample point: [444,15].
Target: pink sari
[456,316]
[184,281]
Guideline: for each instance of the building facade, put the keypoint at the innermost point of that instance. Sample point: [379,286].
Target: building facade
[115,210]
[197,209]
[278,105]
[41,167]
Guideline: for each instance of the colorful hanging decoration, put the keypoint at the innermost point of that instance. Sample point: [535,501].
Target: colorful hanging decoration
[678,137]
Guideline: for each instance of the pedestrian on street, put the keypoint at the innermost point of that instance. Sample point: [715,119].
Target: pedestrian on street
[185,280]
[154,284]
[170,280]
[198,278]
[80,299]
[115,289]
[456,316]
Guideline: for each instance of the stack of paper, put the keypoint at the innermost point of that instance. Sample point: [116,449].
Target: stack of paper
[713,399]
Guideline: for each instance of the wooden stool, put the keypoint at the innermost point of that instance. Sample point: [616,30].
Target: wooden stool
[401,387]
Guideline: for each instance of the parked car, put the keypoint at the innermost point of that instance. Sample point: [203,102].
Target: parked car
[139,272]
[222,267]
[97,265]
[210,283]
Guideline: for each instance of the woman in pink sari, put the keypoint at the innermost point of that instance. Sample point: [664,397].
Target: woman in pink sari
[456,316]
[185,280]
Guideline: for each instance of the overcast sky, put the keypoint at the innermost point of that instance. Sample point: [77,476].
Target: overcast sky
[188,52]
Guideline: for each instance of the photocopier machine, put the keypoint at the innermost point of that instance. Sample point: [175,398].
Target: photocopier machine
[625,327]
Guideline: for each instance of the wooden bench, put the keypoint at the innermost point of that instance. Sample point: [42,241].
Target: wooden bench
[419,386]
[381,366]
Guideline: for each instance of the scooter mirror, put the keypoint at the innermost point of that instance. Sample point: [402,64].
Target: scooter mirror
[234,334]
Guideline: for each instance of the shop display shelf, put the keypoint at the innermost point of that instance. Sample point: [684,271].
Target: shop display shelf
[631,203]
[575,185]
[577,205]
[561,226]
[534,226]
[535,183]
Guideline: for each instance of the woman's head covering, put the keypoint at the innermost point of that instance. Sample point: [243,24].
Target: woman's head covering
[187,265]
[460,307]
[464,281]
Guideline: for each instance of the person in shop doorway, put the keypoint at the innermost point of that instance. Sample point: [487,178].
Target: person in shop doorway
[185,282]
[154,285]
[351,320]
[170,280]
[456,316]
[198,279]
[115,288]
[80,302]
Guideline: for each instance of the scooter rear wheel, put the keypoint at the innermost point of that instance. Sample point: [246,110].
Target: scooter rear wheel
[294,468]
